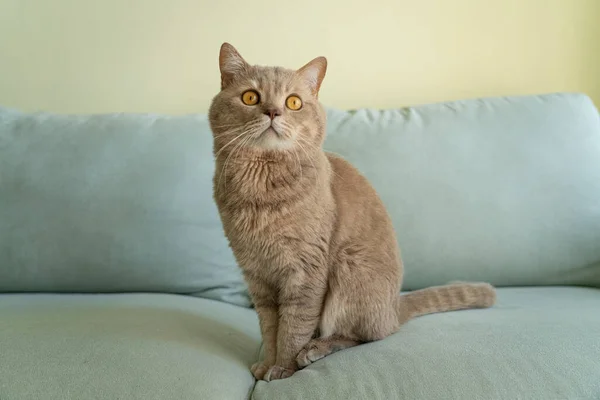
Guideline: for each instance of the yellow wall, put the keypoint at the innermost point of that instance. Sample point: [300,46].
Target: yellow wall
[161,55]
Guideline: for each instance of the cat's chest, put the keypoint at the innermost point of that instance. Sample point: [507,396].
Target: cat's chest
[254,229]
[274,238]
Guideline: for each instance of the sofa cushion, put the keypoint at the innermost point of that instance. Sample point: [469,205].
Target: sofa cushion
[537,343]
[504,190]
[135,346]
[111,203]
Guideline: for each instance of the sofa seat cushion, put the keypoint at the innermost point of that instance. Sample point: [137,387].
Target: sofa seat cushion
[537,343]
[134,346]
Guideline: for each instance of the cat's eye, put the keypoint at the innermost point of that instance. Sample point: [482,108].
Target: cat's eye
[250,98]
[293,102]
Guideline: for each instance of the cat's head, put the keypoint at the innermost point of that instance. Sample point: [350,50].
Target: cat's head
[267,108]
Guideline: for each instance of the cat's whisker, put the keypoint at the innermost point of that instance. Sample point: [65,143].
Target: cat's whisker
[287,126]
[237,150]
[245,132]
[225,125]
[225,166]
[229,131]
[246,125]
[233,140]
[307,143]
[238,147]
[307,155]
[319,149]
[228,143]
[236,125]
[249,125]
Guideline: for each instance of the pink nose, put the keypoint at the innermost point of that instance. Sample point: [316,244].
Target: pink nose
[272,113]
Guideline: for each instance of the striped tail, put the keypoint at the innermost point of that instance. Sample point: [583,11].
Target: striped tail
[451,297]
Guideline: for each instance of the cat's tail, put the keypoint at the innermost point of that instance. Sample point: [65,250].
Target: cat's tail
[451,297]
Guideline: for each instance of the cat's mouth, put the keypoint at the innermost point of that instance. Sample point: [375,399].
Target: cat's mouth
[270,130]
[273,138]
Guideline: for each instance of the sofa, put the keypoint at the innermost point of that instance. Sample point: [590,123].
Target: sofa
[116,281]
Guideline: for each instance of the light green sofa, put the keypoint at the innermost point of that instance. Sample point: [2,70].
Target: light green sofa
[116,280]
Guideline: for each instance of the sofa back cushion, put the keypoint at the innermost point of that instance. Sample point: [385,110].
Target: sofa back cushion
[111,203]
[505,190]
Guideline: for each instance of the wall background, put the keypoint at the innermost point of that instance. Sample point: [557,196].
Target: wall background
[161,55]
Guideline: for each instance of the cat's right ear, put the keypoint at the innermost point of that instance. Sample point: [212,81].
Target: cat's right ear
[231,64]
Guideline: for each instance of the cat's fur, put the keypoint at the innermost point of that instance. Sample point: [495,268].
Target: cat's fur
[314,241]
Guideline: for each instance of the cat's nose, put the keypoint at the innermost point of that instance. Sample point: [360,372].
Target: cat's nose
[272,113]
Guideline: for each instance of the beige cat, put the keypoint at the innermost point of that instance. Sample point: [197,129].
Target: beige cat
[312,237]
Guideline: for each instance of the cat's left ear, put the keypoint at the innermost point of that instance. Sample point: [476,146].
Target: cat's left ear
[231,63]
[313,73]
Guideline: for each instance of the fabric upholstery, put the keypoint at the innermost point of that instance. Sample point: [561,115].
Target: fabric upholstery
[125,346]
[111,203]
[536,344]
[505,190]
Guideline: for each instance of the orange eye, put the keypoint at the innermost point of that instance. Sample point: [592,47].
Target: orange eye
[250,98]
[293,103]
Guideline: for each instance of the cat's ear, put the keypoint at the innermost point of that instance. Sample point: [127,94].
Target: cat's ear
[313,73]
[231,63]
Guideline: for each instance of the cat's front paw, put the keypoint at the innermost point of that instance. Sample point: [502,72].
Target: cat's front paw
[309,354]
[277,372]
[259,370]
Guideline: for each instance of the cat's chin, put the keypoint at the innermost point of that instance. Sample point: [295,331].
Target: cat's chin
[271,140]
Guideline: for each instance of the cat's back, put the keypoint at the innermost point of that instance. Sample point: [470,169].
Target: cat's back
[361,213]
[347,181]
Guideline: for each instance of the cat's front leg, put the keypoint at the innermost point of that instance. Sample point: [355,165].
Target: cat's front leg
[266,308]
[299,315]
[267,316]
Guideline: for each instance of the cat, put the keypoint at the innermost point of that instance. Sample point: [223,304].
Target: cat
[314,241]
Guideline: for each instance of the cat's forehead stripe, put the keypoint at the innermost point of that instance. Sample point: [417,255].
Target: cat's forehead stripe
[273,78]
